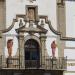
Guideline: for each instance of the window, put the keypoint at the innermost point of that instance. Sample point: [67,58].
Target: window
[32,55]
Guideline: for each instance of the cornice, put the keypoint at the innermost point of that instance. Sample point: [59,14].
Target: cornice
[2,0]
[13,23]
[60,3]
[60,34]
[40,17]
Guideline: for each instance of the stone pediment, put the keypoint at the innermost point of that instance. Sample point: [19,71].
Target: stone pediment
[37,29]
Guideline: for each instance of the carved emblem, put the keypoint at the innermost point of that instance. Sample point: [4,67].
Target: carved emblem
[31,14]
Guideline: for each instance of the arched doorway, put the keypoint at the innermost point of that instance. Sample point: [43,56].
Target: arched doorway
[32,54]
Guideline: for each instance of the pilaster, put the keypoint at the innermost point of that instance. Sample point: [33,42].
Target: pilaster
[61,25]
[2,14]
[21,51]
[43,49]
[2,24]
[61,17]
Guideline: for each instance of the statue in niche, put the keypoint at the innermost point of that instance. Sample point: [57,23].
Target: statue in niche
[9,47]
[20,23]
[53,46]
[31,14]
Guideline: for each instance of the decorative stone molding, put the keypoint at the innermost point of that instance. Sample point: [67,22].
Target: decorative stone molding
[60,33]
[10,27]
[13,23]
[32,37]
[35,9]
[32,10]
[51,28]
[38,17]
[44,17]
[2,0]
[60,2]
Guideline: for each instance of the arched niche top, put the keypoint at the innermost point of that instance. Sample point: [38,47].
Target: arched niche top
[32,37]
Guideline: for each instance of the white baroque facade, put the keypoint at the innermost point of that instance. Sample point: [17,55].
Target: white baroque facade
[56,13]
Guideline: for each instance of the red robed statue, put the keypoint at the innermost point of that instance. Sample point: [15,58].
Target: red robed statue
[9,46]
[53,46]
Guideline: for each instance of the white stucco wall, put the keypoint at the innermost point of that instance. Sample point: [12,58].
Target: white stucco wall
[45,7]
[70,32]
[70,22]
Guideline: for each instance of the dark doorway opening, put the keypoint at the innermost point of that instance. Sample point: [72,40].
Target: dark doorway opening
[32,54]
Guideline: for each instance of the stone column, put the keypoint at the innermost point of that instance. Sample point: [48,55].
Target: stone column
[2,24]
[2,27]
[43,50]
[61,17]
[2,14]
[61,25]
[21,50]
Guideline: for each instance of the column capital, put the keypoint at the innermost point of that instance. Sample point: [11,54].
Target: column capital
[43,37]
[61,2]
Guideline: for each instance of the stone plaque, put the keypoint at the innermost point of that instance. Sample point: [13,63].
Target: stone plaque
[31,13]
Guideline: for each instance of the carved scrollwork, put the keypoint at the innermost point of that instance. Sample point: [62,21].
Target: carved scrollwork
[60,33]
[34,10]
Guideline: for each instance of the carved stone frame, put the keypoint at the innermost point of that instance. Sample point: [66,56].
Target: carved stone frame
[35,8]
